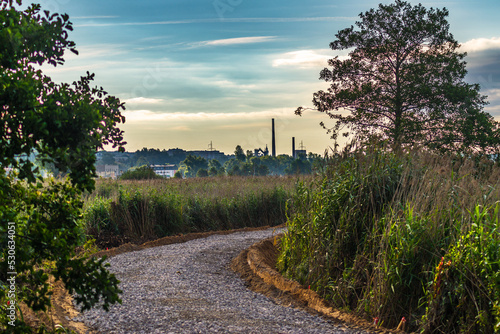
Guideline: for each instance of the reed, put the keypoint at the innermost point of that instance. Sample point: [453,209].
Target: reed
[372,234]
[143,210]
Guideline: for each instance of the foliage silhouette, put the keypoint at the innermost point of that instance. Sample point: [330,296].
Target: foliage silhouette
[403,81]
[63,125]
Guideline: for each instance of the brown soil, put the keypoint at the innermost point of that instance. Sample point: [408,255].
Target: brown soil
[256,266]
[60,314]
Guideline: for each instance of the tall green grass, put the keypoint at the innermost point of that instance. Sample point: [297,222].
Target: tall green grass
[145,210]
[393,236]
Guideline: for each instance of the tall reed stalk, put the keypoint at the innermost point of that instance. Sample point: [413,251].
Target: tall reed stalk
[371,234]
[144,210]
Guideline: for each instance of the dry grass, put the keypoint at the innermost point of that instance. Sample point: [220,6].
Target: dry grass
[137,211]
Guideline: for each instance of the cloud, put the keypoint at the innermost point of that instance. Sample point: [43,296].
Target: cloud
[235,41]
[230,20]
[287,19]
[493,97]
[98,51]
[494,111]
[303,59]
[181,128]
[242,126]
[143,100]
[94,17]
[231,84]
[150,116]
[481,44]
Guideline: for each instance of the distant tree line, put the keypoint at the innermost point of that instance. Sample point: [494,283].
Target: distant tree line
[239,164]
[247,164]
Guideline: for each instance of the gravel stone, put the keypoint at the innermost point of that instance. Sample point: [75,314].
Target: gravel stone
[189,288]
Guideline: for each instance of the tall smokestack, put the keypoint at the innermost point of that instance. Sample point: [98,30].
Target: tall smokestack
[293,147]
[274,142]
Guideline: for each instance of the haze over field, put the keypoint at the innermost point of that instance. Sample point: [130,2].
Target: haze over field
[197,71]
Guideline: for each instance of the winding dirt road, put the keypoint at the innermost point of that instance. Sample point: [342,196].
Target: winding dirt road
[189,287]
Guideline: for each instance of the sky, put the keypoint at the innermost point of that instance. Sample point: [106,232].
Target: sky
[195,72]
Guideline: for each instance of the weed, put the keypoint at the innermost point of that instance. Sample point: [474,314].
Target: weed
[148,209]
[370,234]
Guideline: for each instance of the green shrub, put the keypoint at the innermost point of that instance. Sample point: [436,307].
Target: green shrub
[140,173]
[97,217]
[465,294]
[369,235]
[334,220]
[202,173]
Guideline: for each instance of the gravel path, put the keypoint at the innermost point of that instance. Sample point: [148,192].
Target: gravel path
[189,288]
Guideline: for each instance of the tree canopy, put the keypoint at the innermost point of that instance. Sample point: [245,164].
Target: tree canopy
[403,81]
[63,125]
[193,164]
[140,173]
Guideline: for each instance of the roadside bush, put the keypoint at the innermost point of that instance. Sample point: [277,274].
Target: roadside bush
[370,237]
[465,294]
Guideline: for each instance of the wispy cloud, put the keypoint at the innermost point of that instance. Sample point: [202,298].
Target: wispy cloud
[219,20]
[182,128]
[93,17]
[143,100]
[98,51]
[150,116]
[302,59]
[493,94]
[287,19]
[231,84]
[239,40]
[481,44]
[307,58]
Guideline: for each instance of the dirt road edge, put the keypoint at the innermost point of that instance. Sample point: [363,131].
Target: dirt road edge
[257,266]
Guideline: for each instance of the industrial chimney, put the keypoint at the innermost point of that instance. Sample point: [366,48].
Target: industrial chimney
[274,142]
[293,148]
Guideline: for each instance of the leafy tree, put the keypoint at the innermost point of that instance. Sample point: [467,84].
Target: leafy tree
[212,171]
[202,172]
[404,82]
[246,169]
[65,125]
[232,167]
[239,153]
[249,155]
[317,162]
[271,163]
[178,175]
[140,173]
[215,168]
[141,161]
[193,164]
[257,168]
[299,166]
[284,161]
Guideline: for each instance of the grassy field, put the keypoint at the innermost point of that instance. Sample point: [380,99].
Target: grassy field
[386,236]
[414,236]
[120,211]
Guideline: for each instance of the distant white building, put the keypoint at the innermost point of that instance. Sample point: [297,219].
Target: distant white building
[112,171]
[164,170]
